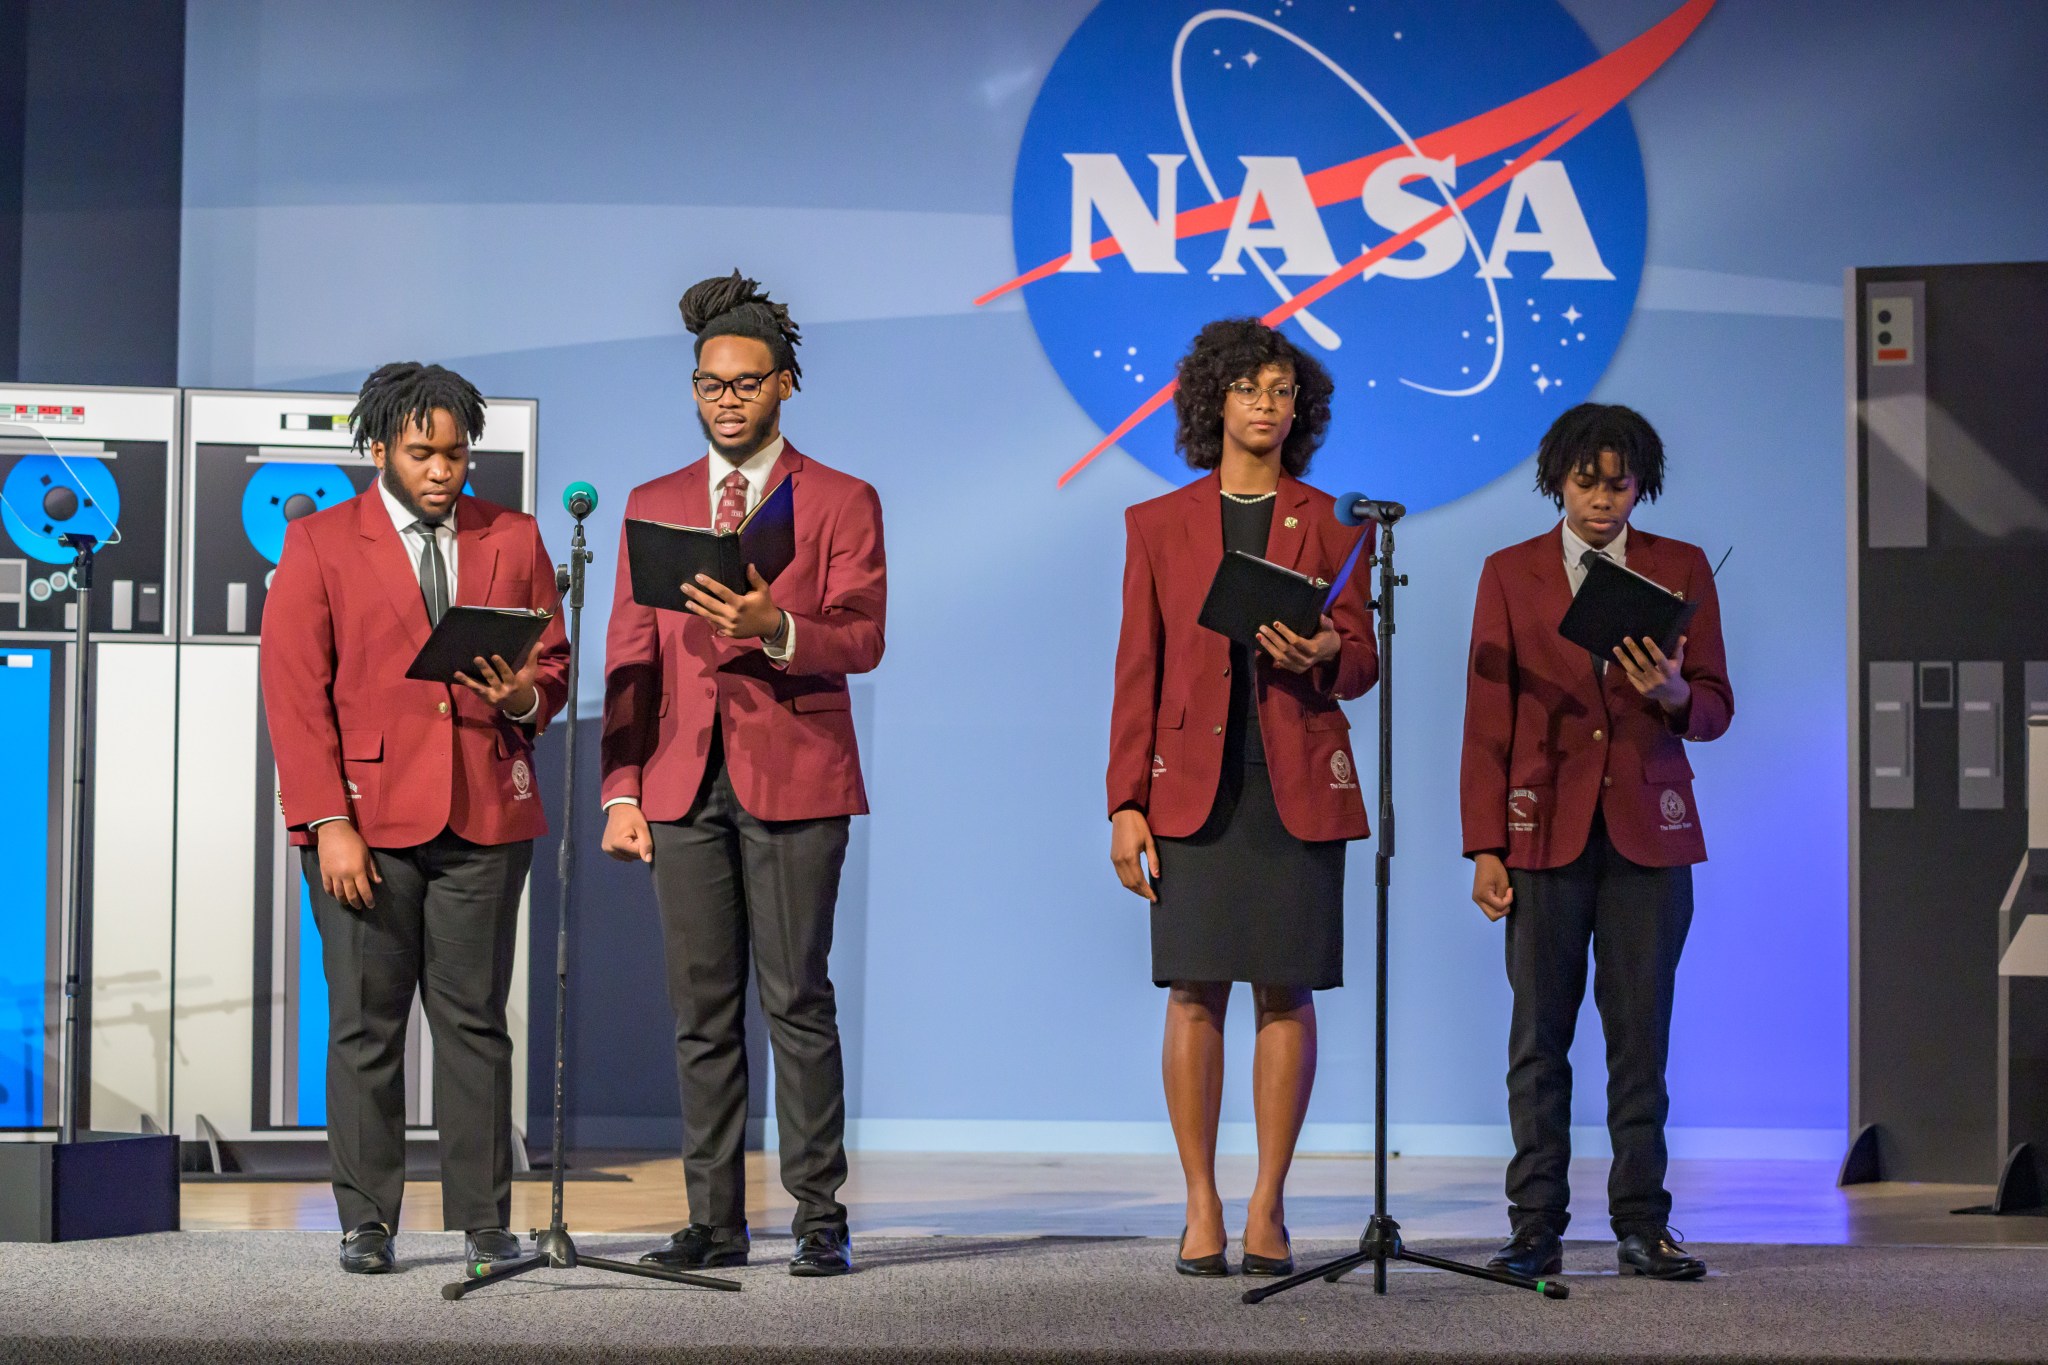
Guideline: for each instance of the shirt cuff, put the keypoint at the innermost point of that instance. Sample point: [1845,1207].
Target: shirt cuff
[312,825]
[532,712]
[781,653]
[622,801]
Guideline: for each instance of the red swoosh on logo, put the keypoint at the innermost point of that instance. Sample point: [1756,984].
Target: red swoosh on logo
[1565,108]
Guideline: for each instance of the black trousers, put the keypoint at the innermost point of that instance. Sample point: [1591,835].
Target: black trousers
[733,888]
[1635,919]
[444,923]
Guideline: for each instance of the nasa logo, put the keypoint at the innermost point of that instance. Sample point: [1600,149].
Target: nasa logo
[1673,807]
[1340,768]
[1446,208]
[522,780]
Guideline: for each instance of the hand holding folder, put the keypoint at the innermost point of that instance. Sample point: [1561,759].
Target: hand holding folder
[662,557]
[1616,605]
[467,634]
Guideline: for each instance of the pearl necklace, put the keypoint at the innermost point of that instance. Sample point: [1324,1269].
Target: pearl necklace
[1251,497]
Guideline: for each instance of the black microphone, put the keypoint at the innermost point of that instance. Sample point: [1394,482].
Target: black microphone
[1354,509]
[580,498]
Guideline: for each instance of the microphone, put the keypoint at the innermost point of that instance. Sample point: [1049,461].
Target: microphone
[1354,509]
[580,498]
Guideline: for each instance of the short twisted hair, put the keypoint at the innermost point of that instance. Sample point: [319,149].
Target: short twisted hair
[407,391]
[733,305]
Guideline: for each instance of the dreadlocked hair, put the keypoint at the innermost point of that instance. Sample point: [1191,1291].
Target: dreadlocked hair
[407,391]
[733,305]
[1580,433]
[1238,348]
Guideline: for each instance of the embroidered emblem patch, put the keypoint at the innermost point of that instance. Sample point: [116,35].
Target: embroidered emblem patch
[355,793]
[1522,810]
[1158,766]
[1340,768]
[522,780]
[1672,805]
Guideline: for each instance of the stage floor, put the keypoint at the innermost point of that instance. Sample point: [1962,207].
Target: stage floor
[902,1194]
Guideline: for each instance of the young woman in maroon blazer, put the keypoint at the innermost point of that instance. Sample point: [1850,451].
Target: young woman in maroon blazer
[1580,823]
[1232,786]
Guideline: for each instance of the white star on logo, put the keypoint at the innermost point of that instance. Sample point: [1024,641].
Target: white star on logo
[1251,59]
[1572,315]
[1543,384]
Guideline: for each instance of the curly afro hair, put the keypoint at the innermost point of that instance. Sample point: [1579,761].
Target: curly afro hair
[1238,348]
[1577,437]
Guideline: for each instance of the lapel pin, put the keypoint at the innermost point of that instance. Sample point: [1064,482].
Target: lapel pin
[1292,522]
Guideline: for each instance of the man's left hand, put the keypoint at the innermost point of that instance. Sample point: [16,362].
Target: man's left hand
[1655,676]
[1299,654]
[751,615]
[511,690]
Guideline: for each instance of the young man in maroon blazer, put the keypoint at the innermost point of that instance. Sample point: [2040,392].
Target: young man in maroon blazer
[730,765]
[413,803]
[1580,822]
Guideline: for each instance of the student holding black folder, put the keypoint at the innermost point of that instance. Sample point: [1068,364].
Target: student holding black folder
[1232,785]
[1580,822]
[412,800]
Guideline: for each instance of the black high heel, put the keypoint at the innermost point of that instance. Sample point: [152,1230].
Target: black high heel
[1206,1267]
[1278,1266]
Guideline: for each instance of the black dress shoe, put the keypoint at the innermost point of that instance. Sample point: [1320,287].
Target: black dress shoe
[1531,1253]
[823,1252]
[1206,1267]
[702,1247]
[1271,1265]
[367,1251]
[1657,1254]
[486,1245]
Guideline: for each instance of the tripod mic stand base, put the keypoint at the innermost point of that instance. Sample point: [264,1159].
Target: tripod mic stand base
[1381,1243]
[554,1249]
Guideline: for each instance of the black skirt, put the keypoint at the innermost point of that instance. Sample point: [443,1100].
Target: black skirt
[1241,899]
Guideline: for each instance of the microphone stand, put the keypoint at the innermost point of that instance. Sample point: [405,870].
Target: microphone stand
[1381,1240]
[554,1247]
[72,1113]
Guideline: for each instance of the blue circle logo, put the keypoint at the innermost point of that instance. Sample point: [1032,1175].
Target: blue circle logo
[1444,204]
[47,495]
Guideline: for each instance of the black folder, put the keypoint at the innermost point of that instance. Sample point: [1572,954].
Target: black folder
[662,557]
[1248,593]
[1617,603]
[467,634]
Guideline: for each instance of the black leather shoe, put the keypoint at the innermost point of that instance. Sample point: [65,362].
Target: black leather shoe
[1271,1265]
[1658,1255]
[823,1252]
[1531,1253]
[1206,1267]
[367,1251]
[486,1245]
[702,1247]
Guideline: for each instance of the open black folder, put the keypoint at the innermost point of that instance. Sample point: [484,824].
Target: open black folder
[1617,603]
[469,633]
[1249,592]
[662,557]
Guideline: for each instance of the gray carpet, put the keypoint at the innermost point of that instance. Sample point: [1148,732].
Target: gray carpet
[278,1296]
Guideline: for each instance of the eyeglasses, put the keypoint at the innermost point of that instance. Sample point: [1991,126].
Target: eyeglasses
[1247,393]
[745,387]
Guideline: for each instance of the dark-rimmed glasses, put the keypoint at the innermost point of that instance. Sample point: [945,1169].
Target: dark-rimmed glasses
[745,387]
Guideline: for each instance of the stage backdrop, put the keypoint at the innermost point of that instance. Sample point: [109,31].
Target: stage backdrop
[523,190]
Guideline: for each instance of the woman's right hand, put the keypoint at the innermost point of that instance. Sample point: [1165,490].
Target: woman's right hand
[1490,889]
[1132,852]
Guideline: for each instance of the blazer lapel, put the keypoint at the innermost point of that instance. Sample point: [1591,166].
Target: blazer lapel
[476,555]
[693,496]
[1290,528]
[1202,524]
[390,564]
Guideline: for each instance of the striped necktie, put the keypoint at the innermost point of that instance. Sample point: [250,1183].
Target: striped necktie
[433,571]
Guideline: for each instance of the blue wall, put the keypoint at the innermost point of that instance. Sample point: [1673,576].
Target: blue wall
[523,191]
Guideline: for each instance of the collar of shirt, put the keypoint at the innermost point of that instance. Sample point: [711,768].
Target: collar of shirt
[1575,552]
[413,541]
[756,469]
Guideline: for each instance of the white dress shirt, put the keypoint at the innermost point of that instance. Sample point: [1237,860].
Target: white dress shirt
[755,468]
[1575,555]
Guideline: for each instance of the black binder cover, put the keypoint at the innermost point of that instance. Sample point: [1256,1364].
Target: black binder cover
[469,633]
[1248,593]
[1617,603]
[662,557]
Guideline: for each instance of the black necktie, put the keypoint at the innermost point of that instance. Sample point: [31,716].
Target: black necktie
[433,571]
[1586,566]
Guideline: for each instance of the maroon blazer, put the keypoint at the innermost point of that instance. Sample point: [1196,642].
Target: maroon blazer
[1548,740]
[353,735]
[1172,697]
[788,731]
